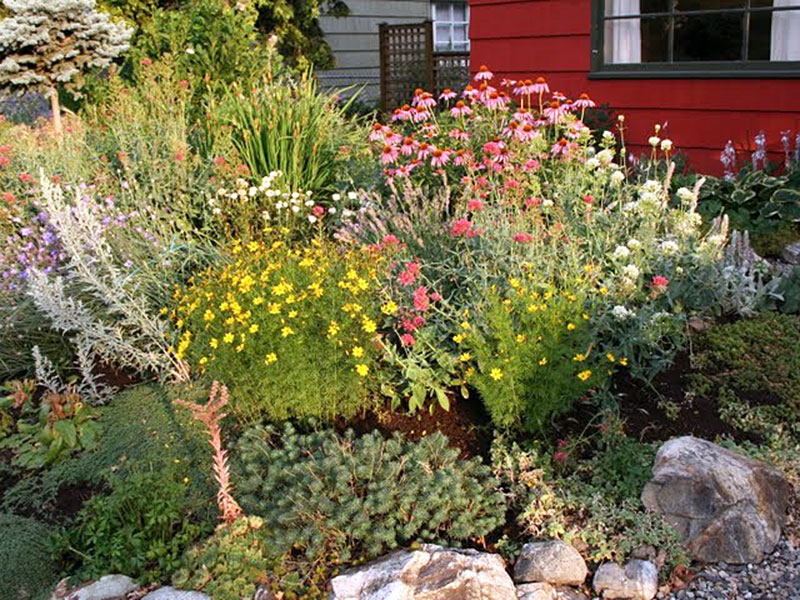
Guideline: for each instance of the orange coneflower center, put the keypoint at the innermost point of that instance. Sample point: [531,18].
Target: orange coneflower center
[540,80]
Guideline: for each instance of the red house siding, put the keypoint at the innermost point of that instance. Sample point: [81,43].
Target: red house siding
[527,38]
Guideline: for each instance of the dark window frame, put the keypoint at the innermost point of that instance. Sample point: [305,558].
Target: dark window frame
[736,69]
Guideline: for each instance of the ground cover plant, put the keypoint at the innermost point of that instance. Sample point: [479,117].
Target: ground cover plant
[208,214]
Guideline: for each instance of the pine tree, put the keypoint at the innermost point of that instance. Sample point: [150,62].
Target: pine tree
[47,43]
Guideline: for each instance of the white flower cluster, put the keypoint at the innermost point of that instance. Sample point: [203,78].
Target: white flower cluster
[622,313]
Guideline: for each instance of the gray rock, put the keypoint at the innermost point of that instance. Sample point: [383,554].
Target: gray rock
[565,593]
[430,573]
[791,254]
[726,507]
[108,587]
[637,581]
[552,561]
[170,593]
[536,591]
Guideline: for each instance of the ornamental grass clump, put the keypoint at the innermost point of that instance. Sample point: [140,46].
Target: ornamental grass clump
[346,499]
[292,328]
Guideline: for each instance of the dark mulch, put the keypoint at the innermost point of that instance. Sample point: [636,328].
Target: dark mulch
[467,424]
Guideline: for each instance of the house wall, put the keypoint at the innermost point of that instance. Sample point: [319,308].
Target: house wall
[355,43]
[528,38]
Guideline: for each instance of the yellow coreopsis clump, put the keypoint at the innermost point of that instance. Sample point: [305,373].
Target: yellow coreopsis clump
[291,330]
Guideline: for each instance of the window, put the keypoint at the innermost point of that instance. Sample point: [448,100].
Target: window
[684,38]
[451,27]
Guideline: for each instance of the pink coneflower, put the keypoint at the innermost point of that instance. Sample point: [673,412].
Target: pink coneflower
[493,147]
[426,100]
[511,129]
[503,155]
[559,96]
[407,339]
[469,92]
[523,238]
[424,150]
[523,115]
[540,87]
[475,205]
[461,227]
[484,74]
[493,101]
[459,134]
[377,133]
[417,95]
[389,154]
[554,111]
[561,147]
[531,165]
[421,303]
[440,158]
[462,158]
[408,146]
[403,171]
[403,113]
[584,101]
[447,95]
[420,114]
[460,110]
[508,82]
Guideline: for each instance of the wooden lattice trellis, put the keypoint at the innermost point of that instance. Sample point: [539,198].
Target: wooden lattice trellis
[409,62]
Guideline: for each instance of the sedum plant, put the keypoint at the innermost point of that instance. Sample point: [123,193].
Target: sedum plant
[47,43]
[345,499]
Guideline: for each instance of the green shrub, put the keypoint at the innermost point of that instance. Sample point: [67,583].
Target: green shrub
[292,330]
[140,429]
[141,528]
[353,499]
[230,564]
[533,348]
[26,568]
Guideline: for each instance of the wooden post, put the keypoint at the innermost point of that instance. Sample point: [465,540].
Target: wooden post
[55,105]
[383,35]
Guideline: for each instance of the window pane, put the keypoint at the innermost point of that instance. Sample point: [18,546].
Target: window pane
[760,36]
[443,34]
[655,39]
[460,33]
[682,5]
[616,8]
[441,11]
[623,41]
[784,38]
[460,12]
[708,38]
[461,46]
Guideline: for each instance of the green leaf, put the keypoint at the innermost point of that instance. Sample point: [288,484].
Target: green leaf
[444,401]
[66,429]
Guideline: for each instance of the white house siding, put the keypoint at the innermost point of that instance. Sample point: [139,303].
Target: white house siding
[355,43]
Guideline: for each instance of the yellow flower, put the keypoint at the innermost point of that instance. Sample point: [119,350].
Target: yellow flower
[292,314]
[214,343]
[368,325]
[258,300]
[239,348]
[274,308]
[351,274]
[496,374]
[584,375]
[179,323]
[520,338]
[228,339]
[604,290]
[163,311]
[208,315]
[389,308]
[203,360]
[570,326]
[466,325]
[362,369]
[469,372]
[610,357]
[270,358]
[532,308]
[286,331]
[513,282]
[579,357]
[623,361]
[543,362]
[465,357]
[333,329]
[358,351]
[458,338]
[253,328]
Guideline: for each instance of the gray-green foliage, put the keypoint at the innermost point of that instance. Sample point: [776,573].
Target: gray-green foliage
[26,568]
[358,497]
[50,42]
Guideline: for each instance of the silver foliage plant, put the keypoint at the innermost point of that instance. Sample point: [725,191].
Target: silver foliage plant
[89,387]
[100,305]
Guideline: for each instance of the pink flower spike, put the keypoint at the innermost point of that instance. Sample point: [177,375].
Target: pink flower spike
[660,283]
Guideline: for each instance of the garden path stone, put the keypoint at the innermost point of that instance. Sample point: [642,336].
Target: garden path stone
[552,561]
[638,580]
[429,573]
[725,506]
[170,593]
[108,587]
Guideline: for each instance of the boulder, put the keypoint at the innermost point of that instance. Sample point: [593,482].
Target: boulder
[170,593]
[552,561]
[429,573]
[791,254]
[725,506]
[108,587]
[536,591]
[638,580]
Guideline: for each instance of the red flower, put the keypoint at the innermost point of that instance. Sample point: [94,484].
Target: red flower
[25,178]
[475,205]
[407,339]
[56,179]
[9,197]
[318,211]
[588,198]
[179,156]
[561,456]
[529,202]
[461,227]
[421,299]
[146,62]
[389,240]
[219,161]
[4,161]
[523,238]
[660,283]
